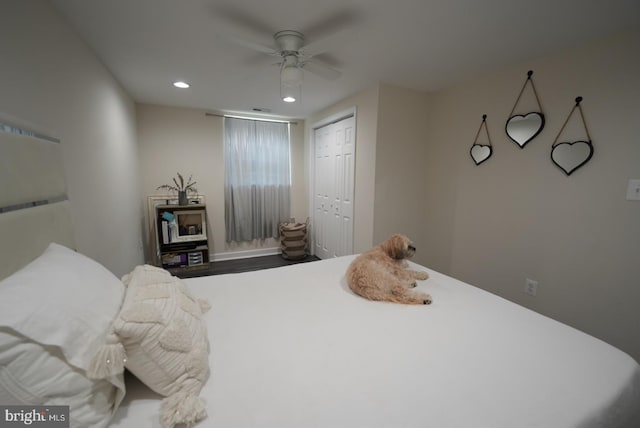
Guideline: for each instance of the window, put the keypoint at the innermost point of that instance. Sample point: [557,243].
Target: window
[257,189]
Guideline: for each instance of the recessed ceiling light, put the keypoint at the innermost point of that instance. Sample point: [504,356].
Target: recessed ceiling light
[181,85]
[289,100]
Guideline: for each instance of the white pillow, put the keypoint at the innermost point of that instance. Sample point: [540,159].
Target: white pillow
[32,374]
[165,339]
[59,309]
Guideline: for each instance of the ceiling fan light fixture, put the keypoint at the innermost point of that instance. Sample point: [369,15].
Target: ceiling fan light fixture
[291,75]
[288,93]
[290,80]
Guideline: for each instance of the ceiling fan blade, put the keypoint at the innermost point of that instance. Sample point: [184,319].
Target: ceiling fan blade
[250,44]
[336,21]
[330,43]
[241,19]
[321,70]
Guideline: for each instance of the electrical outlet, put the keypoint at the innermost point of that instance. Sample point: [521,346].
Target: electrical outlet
[633,190]
[531,287]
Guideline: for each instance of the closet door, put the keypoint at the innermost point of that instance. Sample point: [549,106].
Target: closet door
[323,166]
[334,188]
[345,208]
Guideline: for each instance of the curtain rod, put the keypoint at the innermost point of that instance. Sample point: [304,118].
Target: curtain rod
[249,118]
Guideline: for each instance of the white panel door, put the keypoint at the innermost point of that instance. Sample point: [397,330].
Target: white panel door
[334,188]
[347,186]
[322,214]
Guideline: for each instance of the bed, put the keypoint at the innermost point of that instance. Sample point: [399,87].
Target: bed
[294,347]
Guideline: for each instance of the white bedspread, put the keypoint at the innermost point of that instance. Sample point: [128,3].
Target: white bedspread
[293,347]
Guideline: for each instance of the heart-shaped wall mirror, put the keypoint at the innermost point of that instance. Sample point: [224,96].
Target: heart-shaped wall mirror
[571,156]
[524,128]
[481,152]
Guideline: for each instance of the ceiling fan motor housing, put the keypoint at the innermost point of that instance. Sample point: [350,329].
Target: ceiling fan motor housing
[289,41]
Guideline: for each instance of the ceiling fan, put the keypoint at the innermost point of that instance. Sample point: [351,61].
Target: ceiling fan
[295,56]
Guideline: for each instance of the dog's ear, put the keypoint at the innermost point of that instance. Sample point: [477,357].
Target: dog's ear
[395,246]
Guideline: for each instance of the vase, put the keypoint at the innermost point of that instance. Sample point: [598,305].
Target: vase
[182,198]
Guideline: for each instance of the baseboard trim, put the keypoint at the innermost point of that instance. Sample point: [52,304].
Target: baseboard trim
[234,255]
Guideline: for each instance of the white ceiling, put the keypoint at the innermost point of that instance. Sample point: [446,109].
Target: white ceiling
[420,44]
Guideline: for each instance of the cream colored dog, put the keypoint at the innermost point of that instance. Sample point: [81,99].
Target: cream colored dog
[381,273]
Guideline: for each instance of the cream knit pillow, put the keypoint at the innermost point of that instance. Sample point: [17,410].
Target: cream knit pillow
[161,329]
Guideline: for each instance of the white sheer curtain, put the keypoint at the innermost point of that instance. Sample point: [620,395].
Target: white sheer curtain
[257,178]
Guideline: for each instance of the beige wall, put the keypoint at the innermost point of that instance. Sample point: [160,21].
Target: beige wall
[401,148]
[173,140]
[50,78]
[366,105]
[299,178]
[518,216]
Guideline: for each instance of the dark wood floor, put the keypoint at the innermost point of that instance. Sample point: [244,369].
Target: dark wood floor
[244,265]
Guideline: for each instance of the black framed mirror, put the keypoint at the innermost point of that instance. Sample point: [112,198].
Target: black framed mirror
[522,128]
[569,156]
[481,152]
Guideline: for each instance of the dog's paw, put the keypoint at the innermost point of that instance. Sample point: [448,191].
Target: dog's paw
[421,275]
[427,300]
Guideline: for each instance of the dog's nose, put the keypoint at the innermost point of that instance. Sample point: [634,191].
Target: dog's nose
[412,248]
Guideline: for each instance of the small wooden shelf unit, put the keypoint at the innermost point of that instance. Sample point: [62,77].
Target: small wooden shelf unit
[187,248]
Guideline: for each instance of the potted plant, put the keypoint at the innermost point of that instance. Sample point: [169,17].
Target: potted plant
[181,187]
